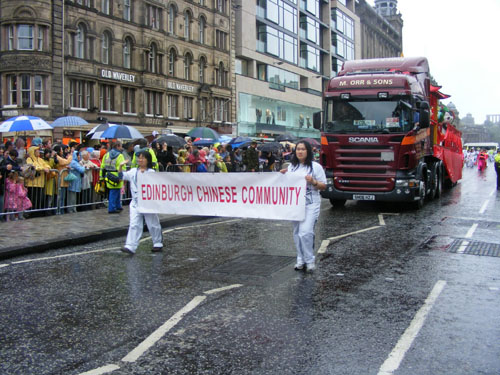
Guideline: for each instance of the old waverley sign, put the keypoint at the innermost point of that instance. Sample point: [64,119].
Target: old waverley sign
[179,86]
[118,76]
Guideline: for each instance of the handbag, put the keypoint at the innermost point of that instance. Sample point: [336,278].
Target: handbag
[113,178]
[70,177]
[100,187]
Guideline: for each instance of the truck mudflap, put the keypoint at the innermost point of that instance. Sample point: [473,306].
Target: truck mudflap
[403,194]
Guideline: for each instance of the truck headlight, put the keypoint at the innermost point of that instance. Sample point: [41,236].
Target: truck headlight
[407,183]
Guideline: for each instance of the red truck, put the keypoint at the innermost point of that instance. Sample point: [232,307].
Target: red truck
[380,135]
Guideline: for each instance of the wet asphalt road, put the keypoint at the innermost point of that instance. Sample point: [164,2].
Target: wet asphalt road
[406,285]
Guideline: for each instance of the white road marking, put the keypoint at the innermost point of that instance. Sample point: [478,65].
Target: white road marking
[463,247]
[493,192]
[392,363]
[471,230]
[4,265]
[483,208]
[65,255]
[160,332]
[323,247]
[326,243]
[101,370]
[381,220]
[213,291]
[355,232]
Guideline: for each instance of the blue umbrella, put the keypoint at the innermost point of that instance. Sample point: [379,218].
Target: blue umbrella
[69,121]
[240,139]
[202,132]
[204,142]
[121,132]
[23,124]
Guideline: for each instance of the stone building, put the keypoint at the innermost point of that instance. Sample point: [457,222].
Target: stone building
[147,63]
[381,29]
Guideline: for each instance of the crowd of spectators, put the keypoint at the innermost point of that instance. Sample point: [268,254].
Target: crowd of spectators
[47,179]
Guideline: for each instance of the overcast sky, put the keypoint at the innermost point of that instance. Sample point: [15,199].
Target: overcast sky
[462,43]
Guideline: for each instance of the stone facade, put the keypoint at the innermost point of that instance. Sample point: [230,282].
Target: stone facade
[154,64]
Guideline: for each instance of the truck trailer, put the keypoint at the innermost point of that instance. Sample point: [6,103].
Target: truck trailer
[384,134]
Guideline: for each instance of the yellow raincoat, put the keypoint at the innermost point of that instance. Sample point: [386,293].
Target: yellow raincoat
[40,167]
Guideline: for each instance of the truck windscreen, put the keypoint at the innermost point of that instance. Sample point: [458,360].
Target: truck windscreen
[368,116]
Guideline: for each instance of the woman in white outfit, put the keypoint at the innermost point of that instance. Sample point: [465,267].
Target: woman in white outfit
[303,231]
[136,225]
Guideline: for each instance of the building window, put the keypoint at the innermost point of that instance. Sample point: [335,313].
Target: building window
[152,59]
[172,56]
[127,10]
[187,26]
[221,76]
[202,3]
[188,108]
[153,17]
[201,69]
[221,109]
[80,42]
[128,100]
[312,6]
[26,90]
[343,24]
[202,102]
[309,57]
[107,97]
[221,40]
[38,90]
[81,94]
[310,29]
[25,37]
[153,102]
[172,13]
[172,106]
[277,43]
[10,37]
[105,6]
[188,60]
[127,53]
[222,6]
[42,31]
[345,48]
[202,30]
[106,48]
[12,89]
[83,2]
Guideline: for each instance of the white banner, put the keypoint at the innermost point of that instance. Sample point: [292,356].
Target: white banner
[271,195]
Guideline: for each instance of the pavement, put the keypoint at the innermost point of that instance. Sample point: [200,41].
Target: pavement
[39,234]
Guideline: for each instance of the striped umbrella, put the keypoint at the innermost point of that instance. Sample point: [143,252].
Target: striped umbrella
[23,124]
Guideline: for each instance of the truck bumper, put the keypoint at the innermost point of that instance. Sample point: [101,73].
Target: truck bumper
[404,194]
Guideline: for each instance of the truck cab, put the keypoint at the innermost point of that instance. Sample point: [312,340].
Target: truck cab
[378,132]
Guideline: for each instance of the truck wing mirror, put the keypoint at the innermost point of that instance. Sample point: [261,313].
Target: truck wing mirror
[317,120]
[424,114]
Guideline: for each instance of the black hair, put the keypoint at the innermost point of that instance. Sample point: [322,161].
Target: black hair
[142,142]
[13,154]
[147,155]
[308,162]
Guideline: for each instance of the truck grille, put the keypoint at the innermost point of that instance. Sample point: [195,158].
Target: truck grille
[361,168]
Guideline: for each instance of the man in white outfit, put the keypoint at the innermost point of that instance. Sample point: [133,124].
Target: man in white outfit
[135,229]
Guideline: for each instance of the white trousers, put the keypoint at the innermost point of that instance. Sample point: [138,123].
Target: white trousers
[303,233]
[136,226]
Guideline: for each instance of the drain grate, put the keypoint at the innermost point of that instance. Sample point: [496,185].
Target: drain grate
[474,248]
[254,265]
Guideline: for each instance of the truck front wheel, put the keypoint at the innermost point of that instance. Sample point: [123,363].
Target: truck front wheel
[337,203]
[420,203]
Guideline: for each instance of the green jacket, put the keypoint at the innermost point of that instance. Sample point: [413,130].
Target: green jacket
[153,159]
[111,164]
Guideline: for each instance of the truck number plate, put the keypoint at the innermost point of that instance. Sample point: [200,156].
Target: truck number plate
[363,197]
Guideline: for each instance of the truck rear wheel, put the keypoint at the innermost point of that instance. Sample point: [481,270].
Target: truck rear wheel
[436,182]
[420,203]
[337,203]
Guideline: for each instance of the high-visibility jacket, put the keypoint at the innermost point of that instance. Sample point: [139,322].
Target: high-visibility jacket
[153,158]
[111,166]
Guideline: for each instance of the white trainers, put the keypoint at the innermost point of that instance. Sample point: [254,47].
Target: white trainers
[310,267]
[299,266]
